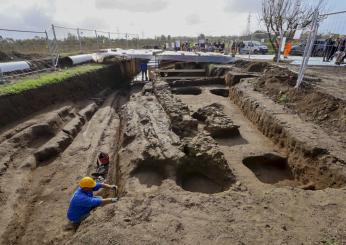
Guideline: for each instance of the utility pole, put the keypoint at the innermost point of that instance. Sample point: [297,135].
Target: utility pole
[54,47]
[248,32]
[248,26]
[97,40]
[308,48]
[280,45]
[80,40]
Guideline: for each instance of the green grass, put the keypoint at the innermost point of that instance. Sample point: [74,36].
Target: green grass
[283,99]
[47,78]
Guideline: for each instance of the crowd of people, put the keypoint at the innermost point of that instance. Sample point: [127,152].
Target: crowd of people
[335,48]
[202,45]
[236,46]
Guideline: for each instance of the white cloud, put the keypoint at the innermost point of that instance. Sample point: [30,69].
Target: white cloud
[133,5]
[153,17]
[193,19]
[93,23]
[31,18]
[243,6]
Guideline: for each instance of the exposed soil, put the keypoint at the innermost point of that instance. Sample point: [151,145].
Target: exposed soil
[18,106]
[275,179]
[269,168]
[310,103]
[187,90]
[16,56]
[220,92]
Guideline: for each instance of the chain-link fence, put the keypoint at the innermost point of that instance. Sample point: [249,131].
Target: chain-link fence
[36,51]
[24,51]
[78,40]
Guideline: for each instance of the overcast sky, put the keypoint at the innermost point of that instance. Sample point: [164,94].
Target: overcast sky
[148,17]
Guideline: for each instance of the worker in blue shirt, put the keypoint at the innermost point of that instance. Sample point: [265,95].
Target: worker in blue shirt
[83,200]
[144,70]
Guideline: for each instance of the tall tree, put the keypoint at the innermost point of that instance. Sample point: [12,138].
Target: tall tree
[286,16]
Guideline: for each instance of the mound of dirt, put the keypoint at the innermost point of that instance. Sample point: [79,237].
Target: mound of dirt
[218,70]
[14,56]
[233,78]
[204,158]
[217,123]
[256,66]
[309,102]
[241,63]
[4,57]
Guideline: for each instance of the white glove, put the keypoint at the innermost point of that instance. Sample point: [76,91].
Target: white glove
[114,200]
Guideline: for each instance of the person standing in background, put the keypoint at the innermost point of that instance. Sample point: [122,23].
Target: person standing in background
[328,48]
[334,49]
[288,48]
[144,70]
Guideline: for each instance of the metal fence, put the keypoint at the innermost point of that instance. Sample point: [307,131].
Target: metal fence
[71,40]
[41,49]
[23,45]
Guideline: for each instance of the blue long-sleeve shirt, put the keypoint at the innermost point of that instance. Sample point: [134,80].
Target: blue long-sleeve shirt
[144,67]
[82,202]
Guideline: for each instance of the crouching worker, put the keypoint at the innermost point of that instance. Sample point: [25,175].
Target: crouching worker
[102,166]
[83,200]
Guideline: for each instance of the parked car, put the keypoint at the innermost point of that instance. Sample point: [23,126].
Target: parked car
[317,50]
[254,47]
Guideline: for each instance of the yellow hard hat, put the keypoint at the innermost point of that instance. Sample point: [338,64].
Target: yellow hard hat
[87,182]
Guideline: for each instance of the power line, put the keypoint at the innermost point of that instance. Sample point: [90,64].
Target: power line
[333,13]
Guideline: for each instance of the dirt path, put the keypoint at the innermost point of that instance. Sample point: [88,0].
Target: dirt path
[40,209]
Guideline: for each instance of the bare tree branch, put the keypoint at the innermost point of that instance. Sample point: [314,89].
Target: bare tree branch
[286,16]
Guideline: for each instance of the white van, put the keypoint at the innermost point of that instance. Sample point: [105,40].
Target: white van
[254,47]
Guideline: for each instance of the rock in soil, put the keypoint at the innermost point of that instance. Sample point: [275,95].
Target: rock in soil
[217,123]
[182,122]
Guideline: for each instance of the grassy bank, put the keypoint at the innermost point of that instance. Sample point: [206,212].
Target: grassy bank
[47,78]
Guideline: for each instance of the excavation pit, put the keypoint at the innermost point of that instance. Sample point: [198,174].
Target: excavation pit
[220,92]
[201,176]
[269,168]
[232,141]
[197,182]
[187,91]
[149,175]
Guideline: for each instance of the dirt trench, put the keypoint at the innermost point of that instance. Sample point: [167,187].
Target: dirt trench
[202,165]
[43,185]
[181,184]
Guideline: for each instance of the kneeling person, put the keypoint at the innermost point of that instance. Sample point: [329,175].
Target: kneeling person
[83,200]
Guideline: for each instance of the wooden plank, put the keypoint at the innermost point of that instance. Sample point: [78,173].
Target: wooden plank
[181,70]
